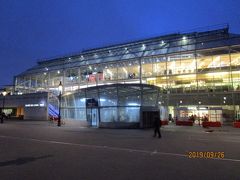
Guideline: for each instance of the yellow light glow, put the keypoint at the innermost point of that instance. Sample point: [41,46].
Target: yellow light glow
[216,73]
[187,76]
[4,93]
[151,79]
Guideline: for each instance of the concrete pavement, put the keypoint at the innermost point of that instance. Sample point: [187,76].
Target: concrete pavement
[41,150]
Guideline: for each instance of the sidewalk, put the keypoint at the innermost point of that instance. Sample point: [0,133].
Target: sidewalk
[196,128]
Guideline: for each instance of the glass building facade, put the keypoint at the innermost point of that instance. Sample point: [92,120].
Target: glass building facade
[194,73]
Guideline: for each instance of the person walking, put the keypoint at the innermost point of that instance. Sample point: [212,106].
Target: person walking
[157,125]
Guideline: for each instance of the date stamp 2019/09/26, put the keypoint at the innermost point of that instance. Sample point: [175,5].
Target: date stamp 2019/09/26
[206,154]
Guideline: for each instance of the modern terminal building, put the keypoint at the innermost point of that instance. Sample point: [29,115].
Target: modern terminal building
[172,76]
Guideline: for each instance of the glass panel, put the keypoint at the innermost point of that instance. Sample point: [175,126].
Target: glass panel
[129,96]
[235,61]
[129,114]
[159,66]
[147,68]
[55,77]
[71,79]
[42,81]
[214,71]
[33,82]
[78,114]
[108,96]
[128,70]
[181,64]
[108,114]
[109,72]
[149,96]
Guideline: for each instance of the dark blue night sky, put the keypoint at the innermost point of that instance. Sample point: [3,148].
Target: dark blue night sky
[32,30]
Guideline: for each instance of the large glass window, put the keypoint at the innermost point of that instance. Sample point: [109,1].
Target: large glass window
[108,96]
[71,79]
[128,70]
[159,66]
[42,81]
[214,71]
[108,114]
[129,96]
[55,77]
[147,67]
[150,96]
[235,62]
[181,64]
[129,114]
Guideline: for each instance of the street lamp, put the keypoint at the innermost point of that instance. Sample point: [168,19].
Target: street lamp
[60,88]
[4,93]
[199,103]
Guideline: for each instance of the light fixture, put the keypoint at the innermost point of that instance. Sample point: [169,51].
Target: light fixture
[4,92]
[60,87]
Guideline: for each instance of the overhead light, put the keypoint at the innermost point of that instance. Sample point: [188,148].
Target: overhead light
[133,104]
[162,42]
[184,38]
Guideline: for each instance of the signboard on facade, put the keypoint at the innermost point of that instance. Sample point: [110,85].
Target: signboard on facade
[90,103]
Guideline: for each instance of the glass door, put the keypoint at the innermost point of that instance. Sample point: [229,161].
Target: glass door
[92,117]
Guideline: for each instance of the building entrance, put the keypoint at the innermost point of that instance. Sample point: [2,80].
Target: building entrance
[93,117]
[148,118]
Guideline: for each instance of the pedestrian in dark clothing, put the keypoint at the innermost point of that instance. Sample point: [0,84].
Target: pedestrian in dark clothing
[157,125]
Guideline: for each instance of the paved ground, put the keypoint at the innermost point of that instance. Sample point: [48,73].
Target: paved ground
[40,150]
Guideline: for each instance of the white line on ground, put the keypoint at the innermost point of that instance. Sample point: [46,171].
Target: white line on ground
[155,152]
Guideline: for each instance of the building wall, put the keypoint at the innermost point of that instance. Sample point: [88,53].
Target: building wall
[30,106]
[200,71]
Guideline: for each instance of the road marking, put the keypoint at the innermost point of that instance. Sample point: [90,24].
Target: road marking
[154,152]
